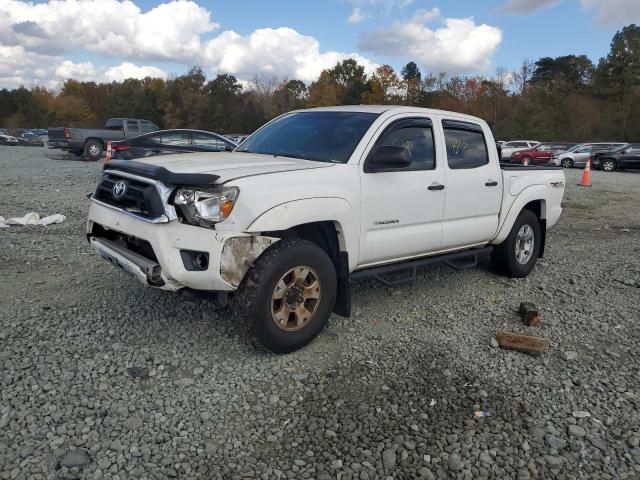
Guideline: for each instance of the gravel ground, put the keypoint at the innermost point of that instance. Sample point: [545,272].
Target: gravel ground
[103,378]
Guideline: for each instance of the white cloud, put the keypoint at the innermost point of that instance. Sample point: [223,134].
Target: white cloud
[129,70]
[356,16]
[458,45]
[77,71]
[170,31]
[277,52]
[621,12]
[519,7]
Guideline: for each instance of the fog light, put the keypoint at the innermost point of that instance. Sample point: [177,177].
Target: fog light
[195,261]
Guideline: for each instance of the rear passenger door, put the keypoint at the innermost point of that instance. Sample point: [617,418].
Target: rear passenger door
[474,192]
[401,208]
[631,156]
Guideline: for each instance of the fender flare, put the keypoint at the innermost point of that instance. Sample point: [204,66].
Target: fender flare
[310,210]
[530,194]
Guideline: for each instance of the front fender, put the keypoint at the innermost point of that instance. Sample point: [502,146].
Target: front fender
[530,194]
[309,210]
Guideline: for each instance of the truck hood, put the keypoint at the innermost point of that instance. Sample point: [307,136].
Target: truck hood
[230,165]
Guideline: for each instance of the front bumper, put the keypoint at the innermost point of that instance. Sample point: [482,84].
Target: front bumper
[228,260]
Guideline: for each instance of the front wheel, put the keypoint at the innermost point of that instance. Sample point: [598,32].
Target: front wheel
[567,163]
[518,254]
[287,297]
[609,165]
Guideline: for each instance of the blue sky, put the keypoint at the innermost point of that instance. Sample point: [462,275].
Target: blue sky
[45,43]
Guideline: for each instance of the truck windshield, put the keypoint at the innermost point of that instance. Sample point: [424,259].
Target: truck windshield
[320,136]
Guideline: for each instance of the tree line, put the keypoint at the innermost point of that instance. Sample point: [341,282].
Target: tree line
[567,98]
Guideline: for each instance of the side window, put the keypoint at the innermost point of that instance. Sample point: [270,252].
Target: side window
[208,142]
[466,147]
[132,126]
[417,136]
[148,127]
[176,139]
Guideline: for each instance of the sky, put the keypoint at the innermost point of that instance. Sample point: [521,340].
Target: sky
[47,42]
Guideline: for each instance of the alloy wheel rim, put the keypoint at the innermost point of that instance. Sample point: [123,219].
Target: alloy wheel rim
[93,149]
[295,298]
[524,244]
[607,166]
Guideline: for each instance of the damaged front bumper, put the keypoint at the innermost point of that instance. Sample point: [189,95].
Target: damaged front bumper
[165,265]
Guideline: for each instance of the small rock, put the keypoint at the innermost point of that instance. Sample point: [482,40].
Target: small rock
[184,382]
[494,343]
[553,461]
[198,371]
[389,459]
[554,442]
[133,423]
[75,458]
[568,355]
[298,377]
[455,462]
[577,431]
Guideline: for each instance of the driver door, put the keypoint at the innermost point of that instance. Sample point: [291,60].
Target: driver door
[402,208]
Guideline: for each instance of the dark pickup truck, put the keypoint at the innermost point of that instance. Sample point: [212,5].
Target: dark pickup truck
[91,142]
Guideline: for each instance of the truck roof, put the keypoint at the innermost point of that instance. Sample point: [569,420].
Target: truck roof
[379,109]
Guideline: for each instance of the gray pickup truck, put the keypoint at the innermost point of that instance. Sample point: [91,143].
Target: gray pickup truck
[91,142]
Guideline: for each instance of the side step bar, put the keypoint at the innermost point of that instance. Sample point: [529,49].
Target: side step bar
[457,260]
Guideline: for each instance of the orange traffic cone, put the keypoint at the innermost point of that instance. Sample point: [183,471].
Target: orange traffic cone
[107,156]
[585,181]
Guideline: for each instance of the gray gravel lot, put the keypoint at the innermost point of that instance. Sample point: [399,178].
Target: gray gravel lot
[102,378]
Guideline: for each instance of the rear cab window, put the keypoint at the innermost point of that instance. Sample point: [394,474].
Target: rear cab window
[466,145]
[133,126]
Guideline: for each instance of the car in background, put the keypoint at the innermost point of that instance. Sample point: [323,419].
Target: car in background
[627,156]
[236,138]
[91,142]
[8,139]
[41,132]
[578,155]
[539,155]
[162,142]
[29,139]
[509,148]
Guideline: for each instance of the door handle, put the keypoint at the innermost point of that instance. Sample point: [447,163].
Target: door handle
[436,186]
[491,183]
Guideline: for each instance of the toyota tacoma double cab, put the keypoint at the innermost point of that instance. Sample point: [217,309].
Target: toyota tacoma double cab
[315,199]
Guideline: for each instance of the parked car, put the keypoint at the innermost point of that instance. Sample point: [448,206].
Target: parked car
[8,139]
[508,148]
[539,155]
[92,141]
[627,156]
[29,139]
[237,138]
[578,155]
[170,141]
[314,199]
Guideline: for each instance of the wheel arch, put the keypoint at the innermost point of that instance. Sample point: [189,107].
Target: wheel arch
[531,198]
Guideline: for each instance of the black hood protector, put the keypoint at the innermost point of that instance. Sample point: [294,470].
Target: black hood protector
[161,174]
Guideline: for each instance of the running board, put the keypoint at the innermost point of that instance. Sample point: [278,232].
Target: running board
[456,260]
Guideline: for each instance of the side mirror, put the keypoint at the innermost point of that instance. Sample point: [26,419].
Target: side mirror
[389,157]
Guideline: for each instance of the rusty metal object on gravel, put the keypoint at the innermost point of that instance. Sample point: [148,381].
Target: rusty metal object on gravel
[530,314]
[521,343]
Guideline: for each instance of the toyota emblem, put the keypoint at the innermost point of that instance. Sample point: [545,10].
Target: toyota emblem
[119,189]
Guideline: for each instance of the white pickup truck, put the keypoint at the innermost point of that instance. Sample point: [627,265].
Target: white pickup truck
[316,198]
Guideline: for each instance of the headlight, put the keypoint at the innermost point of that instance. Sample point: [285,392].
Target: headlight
[205,207]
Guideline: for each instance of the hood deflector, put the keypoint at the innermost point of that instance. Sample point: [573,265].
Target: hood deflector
[161,174]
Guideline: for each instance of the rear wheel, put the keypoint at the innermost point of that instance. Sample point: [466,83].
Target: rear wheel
[567,163]
[93,149]
[609,165]
[287,297]
[527,160]
[518,254]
